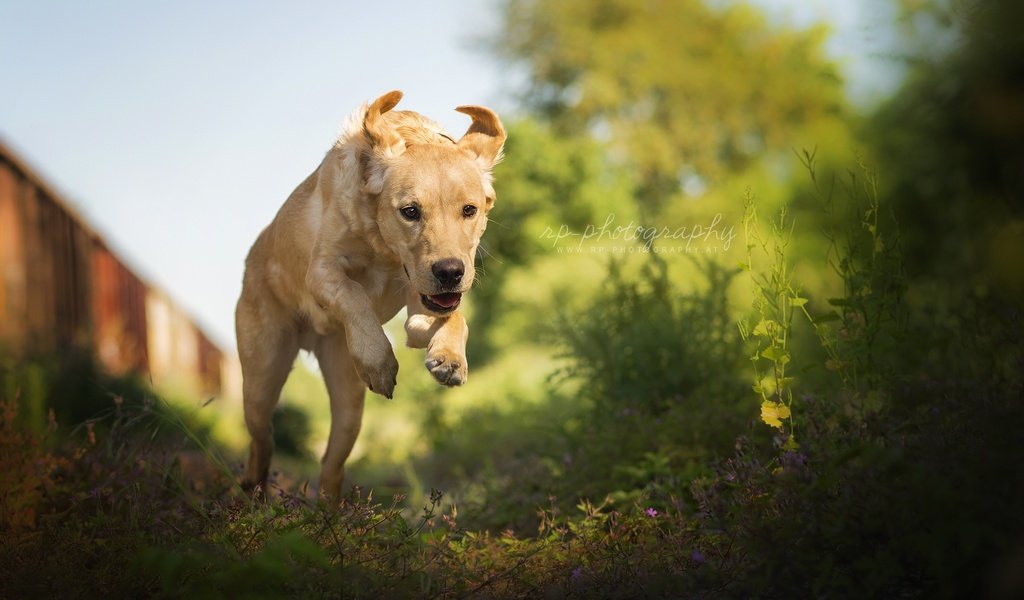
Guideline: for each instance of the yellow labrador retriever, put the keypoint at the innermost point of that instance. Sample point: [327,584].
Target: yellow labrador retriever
[391,218]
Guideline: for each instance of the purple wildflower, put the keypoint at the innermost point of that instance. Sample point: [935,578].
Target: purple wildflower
[577,573]
[697,556]
[651,512]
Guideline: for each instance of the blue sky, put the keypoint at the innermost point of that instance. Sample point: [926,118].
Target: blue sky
[178,128]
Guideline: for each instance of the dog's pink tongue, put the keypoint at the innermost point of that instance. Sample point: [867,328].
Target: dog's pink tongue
[446,300]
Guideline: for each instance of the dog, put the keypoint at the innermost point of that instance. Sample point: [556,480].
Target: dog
[391,218]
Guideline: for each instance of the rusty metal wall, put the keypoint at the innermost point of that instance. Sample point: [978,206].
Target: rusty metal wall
[62,287]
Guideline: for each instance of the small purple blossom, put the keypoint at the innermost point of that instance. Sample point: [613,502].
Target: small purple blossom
[651,512]
[794,460]
[697,556]
[577,573]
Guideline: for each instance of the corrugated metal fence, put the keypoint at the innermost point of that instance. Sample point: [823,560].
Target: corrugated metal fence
[63,287]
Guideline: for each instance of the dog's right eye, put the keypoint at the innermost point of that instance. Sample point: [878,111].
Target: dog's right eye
[411,213]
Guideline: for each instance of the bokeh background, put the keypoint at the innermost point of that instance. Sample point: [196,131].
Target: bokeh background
[732,240]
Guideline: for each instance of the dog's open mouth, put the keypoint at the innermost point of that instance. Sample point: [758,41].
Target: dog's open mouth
[442,303]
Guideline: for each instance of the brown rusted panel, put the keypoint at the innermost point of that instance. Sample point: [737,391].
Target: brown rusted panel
[210,358]
[119,313]
[106,319]
[61,286]
[134,307]
[71,319]
[83,284]
[38,272]
[12,264]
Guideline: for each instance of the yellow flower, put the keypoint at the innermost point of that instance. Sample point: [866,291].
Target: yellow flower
[772,413]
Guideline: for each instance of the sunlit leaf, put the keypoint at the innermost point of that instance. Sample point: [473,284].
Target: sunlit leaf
[776,354]
[772,413]
[765,327]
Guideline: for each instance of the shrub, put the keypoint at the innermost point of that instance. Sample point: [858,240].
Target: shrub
[291,431]
[643,347]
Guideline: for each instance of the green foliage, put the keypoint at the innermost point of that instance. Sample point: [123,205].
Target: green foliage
[291,431]
[125,520]
[641,346]
[661,375]
[547,181]
[684,89]
[775,302]
[866,325]
[72,385]
[70,395]
[952,141]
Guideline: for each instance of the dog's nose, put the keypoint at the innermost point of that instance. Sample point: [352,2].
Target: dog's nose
[448,271]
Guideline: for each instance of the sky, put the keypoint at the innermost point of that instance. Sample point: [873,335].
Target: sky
[177,129]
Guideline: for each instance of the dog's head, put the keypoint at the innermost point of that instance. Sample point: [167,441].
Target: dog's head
[433,194]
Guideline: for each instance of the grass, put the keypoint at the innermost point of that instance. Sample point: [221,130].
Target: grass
[112,513]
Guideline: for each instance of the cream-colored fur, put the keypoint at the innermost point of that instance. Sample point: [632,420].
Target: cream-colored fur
[391,218]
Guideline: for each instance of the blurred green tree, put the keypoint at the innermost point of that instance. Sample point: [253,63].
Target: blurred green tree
[686,92]
[547,181]
[952,140]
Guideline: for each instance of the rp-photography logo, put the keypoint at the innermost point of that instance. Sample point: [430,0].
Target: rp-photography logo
[703,238]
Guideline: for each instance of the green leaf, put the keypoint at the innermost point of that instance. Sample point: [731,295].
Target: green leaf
[873,402]
[776,354]
[765,327]
[767,386]
[797,301]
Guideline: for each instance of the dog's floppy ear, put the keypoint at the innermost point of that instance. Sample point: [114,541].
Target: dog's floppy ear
[384,142]
[382,137]
[485,136]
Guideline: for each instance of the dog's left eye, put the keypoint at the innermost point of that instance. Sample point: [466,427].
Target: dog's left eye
[411,213]
[468,210]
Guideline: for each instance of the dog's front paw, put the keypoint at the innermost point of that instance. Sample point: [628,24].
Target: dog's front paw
[447,368]
[381,374]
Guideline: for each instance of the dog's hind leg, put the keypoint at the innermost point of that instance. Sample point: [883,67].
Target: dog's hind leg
[347,392]
[267,357]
